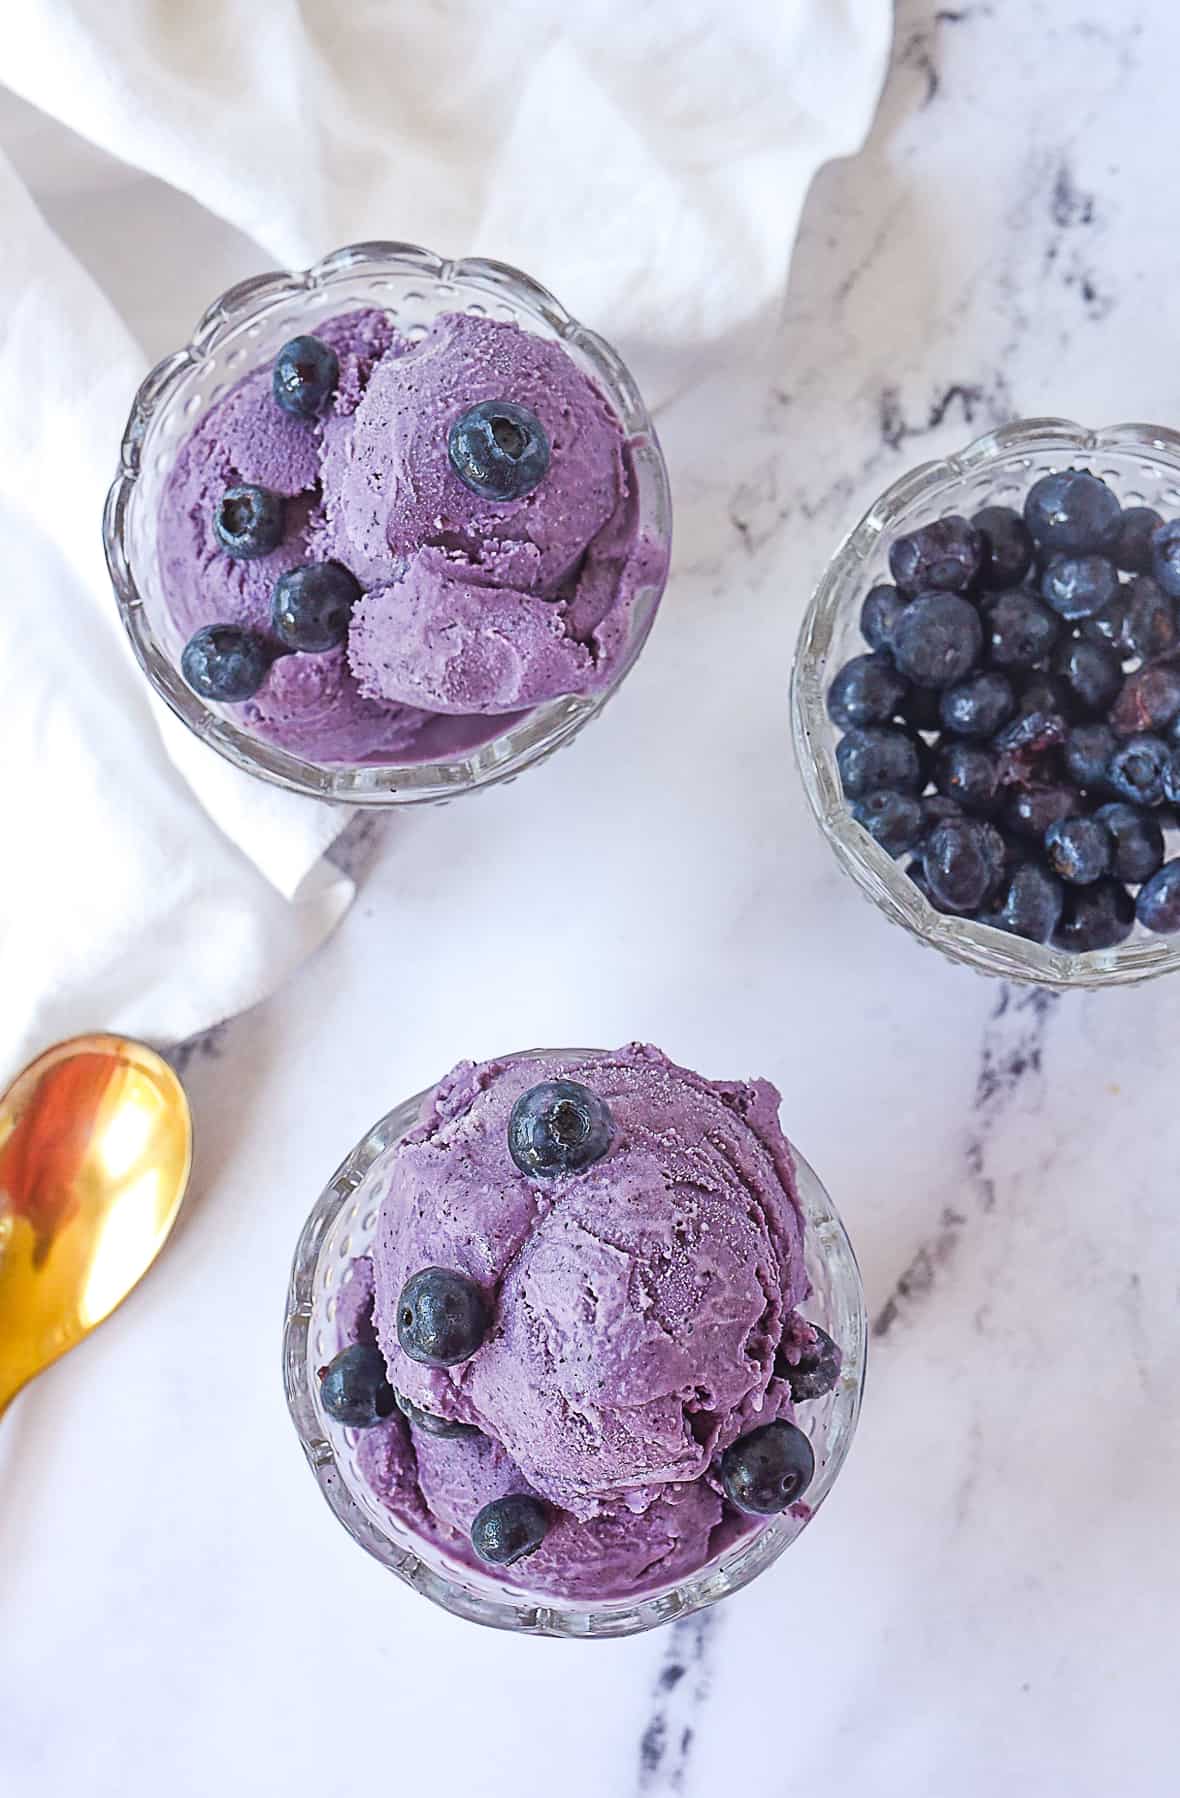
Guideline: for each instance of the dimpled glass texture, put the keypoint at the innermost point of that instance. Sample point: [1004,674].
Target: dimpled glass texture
[341,1227]
[1142,464]
[245,328]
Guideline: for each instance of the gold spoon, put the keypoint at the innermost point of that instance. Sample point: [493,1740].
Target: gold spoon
[95,1149]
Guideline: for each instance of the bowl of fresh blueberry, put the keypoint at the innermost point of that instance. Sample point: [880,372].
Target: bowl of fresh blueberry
[986,703]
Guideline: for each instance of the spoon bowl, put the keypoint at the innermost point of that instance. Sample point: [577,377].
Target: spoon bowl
[95,1151]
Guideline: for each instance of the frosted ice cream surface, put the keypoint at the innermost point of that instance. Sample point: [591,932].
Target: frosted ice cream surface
[640,1319]
[469,607]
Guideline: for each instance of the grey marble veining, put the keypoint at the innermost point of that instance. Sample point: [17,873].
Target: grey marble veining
[680,1695]
[1010,1059]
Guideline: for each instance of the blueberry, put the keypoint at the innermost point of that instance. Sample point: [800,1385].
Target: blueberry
[1078,850]
[881,755]
[768,1468]
[1109,625]
[559,1127]
[1137,838]
[867,690]
[1172,772]
[1136,770]
[499,450]
[946,555]
[1021,630]
[1088,750]
[815,1372]
[430,1422]
[248,522]
[880,612]
[936,809]
[1032,902]
[893,819]
[1150,700]
[1029,812]
[978,706]
[1165,557]
[225,662]
[510,1528]
[442,1317]
[1149,627]
[1025,750]
[1092,673]
[1136,529]
[938,639]
[1095,917]
[1158,905]
[355,1389]
[963,860]
[1074,512]
[1031,734]
[1079,586]
[312,606]
[969,774]
[1041,692]
[306,372]
[1007,546]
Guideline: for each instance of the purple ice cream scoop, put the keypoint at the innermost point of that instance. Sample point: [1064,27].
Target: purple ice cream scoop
[499,650]
[391,489]
[474,609]
[636,1308]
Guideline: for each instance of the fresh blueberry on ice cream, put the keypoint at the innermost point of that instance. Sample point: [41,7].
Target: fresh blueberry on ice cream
[305,373]
[434,1426]
[313,605]
[509,1528]
[224,662]
[248,522]
[809,1361]
[499,450]
[767,1469]
[355,1389]
[442,1317]
[559,1127]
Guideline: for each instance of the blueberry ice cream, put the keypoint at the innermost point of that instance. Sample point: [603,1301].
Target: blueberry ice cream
[577,1344]
[385,549]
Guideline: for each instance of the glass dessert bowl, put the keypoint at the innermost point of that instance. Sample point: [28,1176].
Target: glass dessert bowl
[467,638]
[1089,646]
[646,1284]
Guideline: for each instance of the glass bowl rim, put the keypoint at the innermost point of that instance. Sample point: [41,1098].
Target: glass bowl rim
[881,878]
[544,728]
[558,1617]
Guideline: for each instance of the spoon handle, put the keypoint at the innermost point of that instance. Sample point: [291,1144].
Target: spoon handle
[95,1147]
[14,1376]
[19,1361]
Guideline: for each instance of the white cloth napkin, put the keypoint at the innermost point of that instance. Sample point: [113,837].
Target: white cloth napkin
[649,162]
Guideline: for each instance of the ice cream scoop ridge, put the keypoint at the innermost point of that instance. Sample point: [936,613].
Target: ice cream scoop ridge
[639,1310]
[475,606]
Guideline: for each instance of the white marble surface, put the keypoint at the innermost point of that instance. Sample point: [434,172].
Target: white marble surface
[987,1600]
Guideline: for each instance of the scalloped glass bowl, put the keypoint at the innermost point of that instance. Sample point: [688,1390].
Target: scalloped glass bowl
[1142,464]
[341,1227]
[246,327]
